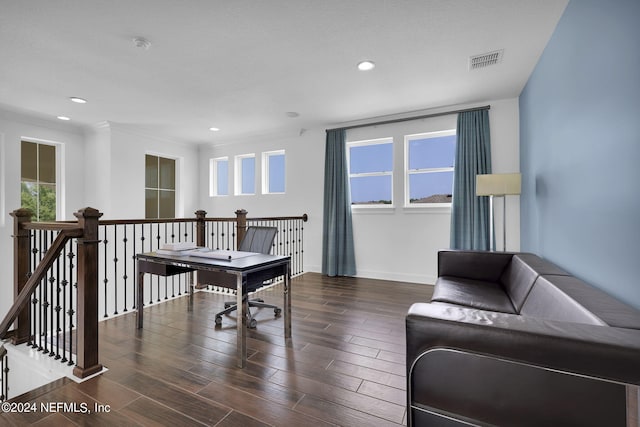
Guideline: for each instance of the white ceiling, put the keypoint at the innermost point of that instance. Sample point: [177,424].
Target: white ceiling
[241,65]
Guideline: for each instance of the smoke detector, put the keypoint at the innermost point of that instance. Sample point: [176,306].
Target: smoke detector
[141,43]
[485,59]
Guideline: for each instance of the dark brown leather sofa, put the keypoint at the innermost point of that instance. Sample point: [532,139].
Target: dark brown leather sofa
[510,339]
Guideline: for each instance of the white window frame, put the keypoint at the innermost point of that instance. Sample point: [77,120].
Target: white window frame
[265,171]
[408,172]
[377,141]
[213,176]
[60,173]
[238,174]
[179,204]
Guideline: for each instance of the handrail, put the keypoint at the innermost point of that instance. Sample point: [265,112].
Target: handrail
[303,217]
[23,298]
[158,220]
[52,226]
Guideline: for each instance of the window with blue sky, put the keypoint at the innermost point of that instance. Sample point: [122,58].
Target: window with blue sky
[429,160]
[245,174]
[273,172]
[371,172]
[219,176]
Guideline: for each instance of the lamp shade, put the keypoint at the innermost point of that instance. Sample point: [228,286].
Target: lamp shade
[497,184]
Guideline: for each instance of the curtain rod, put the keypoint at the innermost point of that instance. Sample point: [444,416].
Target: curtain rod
[406,119]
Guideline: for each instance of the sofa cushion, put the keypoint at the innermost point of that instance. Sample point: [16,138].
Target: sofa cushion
[478,294]
[605,308]
[522,272]
[477,265]
[547,300]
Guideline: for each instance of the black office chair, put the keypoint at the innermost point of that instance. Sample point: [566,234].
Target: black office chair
[256,239]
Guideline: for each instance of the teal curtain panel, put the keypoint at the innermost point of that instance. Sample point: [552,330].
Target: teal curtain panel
[338,255]
[470,214]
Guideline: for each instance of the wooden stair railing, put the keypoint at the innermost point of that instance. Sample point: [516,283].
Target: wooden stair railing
[86,233]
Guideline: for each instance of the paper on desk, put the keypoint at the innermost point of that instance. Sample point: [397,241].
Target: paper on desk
[180,246]
[221,254]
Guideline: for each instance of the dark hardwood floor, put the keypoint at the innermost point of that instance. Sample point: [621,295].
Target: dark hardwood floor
[344,365]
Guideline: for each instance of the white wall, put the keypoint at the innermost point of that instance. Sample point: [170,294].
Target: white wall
[127,180]
[304,184]
[14,128]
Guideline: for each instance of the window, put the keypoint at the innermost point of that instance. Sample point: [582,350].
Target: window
[38,180]
[160,187]
[245,182]
[219,176]
[429,167]
[371,172]
[273,172]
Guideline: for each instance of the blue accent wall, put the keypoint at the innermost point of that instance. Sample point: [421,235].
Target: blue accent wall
[580,147]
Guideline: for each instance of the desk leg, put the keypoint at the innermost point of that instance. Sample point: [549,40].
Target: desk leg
[139,297]
[287,302]
[241,324]
[191,285]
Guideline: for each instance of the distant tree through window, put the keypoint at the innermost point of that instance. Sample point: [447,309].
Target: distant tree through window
[38,179]
[429,167]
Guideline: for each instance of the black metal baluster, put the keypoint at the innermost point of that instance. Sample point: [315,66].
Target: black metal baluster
[65,282]
[71,311]
[56,329]
[40,317]
[115,269]
[157,247]
[105,242]
[124,277]
[135,268]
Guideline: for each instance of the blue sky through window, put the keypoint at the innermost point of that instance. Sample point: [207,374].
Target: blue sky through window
[248,178]
[222,177]
[438,152]
[276,173]
[366,159]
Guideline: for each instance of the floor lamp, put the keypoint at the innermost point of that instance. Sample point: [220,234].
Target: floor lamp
[498,185]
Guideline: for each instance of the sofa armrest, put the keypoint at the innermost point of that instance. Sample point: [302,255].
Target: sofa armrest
[476,265]
[591,350]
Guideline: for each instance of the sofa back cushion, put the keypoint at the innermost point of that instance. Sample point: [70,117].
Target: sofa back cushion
[548,300]
[475,265]
[521,273]
[575,299]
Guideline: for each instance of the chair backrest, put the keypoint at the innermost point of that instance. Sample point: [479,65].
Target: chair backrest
[258,239]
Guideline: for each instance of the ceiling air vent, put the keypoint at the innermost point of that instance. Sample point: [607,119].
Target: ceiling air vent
[485,59]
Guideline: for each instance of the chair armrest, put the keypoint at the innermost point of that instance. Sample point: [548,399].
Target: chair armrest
[591,350]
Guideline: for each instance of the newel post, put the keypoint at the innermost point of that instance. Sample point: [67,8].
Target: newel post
[200,227]
[87,270]
[21,269]
[241,225]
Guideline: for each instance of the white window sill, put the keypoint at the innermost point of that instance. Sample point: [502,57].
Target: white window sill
[433,208]
[372,209]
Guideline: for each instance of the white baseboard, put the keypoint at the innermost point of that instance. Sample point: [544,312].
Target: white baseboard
[383,275]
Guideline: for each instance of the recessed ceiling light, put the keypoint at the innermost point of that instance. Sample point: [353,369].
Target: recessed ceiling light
[366,65]
[63,118]
[78,100]
[214,129]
